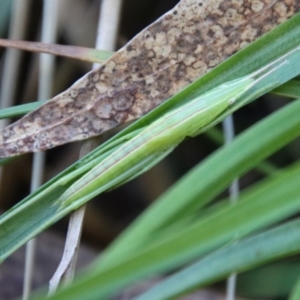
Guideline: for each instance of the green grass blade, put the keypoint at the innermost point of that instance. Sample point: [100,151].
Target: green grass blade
[291,89]
[19,110]
[5,161]
[296,291]
[239,257]
[274,280]
[5,12]
[266,203]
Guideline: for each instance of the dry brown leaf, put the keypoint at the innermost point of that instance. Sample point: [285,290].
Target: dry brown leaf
[172,52]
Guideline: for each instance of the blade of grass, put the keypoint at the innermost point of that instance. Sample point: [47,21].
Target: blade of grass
[268,202]
[290,89]
[244,255]
[19,110]
[4,15]
[295,295]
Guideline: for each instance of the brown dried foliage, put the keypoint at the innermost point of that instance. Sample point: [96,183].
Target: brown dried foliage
[165,57]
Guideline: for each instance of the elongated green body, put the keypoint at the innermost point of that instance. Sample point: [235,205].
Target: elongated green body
[155,140]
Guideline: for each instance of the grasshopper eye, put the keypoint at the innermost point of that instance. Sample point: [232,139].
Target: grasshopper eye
[231,101]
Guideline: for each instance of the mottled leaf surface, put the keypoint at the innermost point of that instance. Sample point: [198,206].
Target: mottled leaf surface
[178,48]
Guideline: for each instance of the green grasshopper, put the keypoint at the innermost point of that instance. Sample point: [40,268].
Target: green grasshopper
[156,141]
